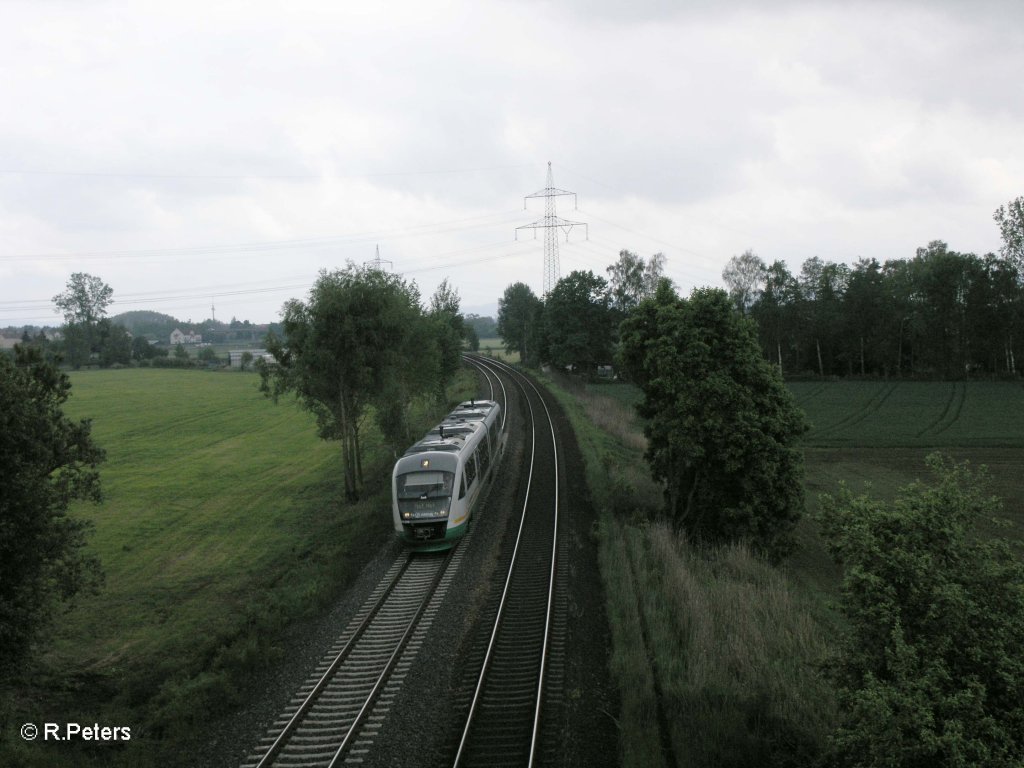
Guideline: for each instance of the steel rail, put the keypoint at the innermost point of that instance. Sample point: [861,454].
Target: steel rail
[535,730]
[504,594]
[289,728]
[480,362]
[488,375]
[389,667]
[551,586]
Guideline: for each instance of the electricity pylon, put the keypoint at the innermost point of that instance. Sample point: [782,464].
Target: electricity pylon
[378,263]
[551,224]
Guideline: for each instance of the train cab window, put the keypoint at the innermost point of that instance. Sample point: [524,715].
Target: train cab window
[462,487]
[425,485]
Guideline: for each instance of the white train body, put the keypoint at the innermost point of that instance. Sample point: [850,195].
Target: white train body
[439,481]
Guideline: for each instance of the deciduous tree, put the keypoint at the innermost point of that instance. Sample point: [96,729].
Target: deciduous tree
[83,304]
[520,318]
[85,300]
[48,460]
[775,313]
[722,428]
[578,317]
[361,338]
[450,332]
[1010,218]
[744,276]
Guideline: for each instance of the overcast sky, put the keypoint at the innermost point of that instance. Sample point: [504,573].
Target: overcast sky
[223,153]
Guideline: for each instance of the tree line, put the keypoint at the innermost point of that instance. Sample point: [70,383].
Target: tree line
[576,326]
[88,337]
[941,314]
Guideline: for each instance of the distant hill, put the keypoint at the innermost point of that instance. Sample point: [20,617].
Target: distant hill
[146,323]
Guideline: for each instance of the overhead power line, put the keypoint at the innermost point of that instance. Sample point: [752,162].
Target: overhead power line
[254,176]
[416,230]
[222,291]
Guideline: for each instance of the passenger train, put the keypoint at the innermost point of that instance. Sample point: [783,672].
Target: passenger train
[440,481]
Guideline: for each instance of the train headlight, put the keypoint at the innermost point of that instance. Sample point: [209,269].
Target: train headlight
[407,515]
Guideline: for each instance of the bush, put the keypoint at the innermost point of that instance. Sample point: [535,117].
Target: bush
[171,362]
[932,672]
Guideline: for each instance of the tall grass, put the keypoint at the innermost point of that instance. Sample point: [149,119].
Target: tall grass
[610,415]
[736,652]
[631,668]
[716,653]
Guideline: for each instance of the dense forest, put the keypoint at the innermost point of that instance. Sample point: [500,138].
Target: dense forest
[941,314]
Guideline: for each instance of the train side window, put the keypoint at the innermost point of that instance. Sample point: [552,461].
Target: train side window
[470,471]
[462,486]
[484,456]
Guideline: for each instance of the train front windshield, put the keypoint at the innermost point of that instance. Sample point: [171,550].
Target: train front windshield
[424,494]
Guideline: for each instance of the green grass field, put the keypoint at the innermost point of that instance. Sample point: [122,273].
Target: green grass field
[202,483]
[495,347]
[222,523]
[913,414]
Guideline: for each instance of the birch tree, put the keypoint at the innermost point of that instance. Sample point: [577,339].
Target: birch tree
[361,338]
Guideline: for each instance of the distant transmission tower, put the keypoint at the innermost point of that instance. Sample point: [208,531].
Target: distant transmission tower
[551,224]
[378,263]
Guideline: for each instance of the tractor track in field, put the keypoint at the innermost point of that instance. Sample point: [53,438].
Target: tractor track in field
[871,406]
[806,397]
[942,415]
[962,387]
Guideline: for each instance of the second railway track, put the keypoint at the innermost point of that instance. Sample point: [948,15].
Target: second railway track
[505,716]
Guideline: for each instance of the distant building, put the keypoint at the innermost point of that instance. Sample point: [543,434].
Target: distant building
[177,337]
[235,356]
[6,343]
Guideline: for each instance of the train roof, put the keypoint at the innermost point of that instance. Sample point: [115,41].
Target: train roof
[456,429]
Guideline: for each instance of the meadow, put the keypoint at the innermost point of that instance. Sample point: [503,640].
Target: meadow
[222,524]
[495,347]
[717,655]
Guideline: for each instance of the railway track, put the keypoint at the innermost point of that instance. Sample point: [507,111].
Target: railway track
[323,722]
[503,724]
[335,716]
